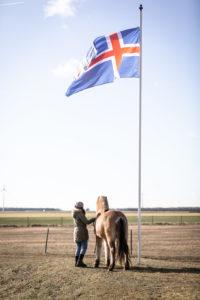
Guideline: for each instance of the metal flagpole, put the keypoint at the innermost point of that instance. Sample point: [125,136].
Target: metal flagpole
[140,142]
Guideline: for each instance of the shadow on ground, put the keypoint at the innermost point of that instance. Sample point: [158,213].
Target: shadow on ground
[165,270]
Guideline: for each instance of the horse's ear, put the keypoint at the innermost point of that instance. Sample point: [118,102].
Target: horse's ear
[106,205]
[98,203]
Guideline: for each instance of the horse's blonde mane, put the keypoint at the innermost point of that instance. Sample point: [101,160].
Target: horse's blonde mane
[102,204]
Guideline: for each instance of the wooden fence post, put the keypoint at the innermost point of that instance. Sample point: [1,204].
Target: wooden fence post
[46,240]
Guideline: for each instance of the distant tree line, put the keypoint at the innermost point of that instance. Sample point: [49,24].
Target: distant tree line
[30,209]
[188,209]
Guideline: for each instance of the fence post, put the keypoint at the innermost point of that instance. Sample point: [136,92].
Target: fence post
[46,240]
[131,241]
[28,222]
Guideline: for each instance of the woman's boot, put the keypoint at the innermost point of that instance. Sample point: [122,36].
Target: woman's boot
[80,262]
[76,260]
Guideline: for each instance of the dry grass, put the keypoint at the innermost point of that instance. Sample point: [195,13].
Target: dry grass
[25,214]
[59,214]
[170,266]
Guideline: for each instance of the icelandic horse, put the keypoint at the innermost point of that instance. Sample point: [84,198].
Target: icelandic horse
[111,227]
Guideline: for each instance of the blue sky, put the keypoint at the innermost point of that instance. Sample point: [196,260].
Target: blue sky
[57,150]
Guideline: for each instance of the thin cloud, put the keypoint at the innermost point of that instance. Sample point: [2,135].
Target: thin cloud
[155,83]
[11,3]
[66,70]
[63,8]
[193,135]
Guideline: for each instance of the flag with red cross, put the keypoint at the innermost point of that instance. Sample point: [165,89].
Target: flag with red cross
[110,57]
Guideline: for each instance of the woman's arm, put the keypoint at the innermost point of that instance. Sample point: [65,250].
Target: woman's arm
[85,220]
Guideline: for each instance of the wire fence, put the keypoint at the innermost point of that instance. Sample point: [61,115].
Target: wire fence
[167,242]
[64,221]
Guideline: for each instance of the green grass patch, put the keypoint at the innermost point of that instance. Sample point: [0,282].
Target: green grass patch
[165,219]
[64,221]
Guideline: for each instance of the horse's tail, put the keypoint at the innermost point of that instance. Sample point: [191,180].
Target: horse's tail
[122,246]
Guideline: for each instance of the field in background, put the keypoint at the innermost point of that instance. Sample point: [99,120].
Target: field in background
[65,218]
[170,267]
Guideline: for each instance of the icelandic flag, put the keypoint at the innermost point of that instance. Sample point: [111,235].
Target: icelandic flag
[110,57]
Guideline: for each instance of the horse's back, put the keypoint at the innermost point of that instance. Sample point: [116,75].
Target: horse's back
[113,216]
[107,222]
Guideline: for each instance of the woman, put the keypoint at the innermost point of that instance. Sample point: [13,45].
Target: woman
[80,233]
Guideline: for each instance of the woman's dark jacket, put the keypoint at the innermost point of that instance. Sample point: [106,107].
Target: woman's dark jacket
[80,222]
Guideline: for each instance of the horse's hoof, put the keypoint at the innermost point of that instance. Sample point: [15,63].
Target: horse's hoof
[96,264]
[110,268]
[108,263]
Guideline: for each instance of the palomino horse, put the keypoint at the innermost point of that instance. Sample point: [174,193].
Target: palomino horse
[112,227]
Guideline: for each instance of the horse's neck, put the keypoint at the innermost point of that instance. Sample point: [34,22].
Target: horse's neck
[102,205]
[99,212]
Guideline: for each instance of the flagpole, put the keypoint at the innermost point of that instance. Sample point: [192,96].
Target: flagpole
[140,141]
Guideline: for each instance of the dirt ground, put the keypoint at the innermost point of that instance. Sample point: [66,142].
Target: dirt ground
[170,266]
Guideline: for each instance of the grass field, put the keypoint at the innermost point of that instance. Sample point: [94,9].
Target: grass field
[65,218]
[170,267]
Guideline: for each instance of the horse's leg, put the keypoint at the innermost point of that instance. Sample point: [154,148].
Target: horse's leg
[127,259]
[107,253]
[111,245]
[98,251]
[127,254]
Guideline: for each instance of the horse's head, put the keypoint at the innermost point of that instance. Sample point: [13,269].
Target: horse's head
[102,204]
